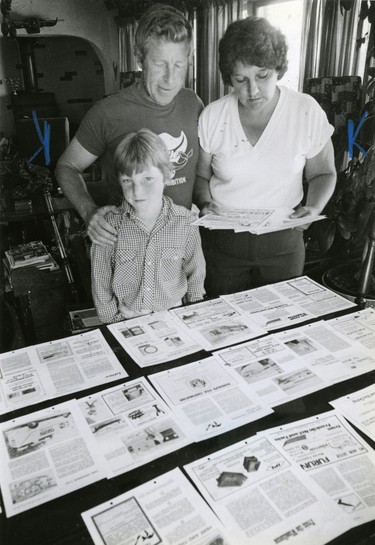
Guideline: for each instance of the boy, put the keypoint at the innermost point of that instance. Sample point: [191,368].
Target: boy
[157,261]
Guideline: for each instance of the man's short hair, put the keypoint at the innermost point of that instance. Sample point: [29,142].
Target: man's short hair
[140,150]
[161,22]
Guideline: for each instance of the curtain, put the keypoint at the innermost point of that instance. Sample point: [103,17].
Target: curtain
[212,19]
[126,38]
[331,44]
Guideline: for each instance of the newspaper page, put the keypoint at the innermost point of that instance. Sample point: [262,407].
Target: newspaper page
[311,296]
[164,511]
[206,399]
[155,338]
[131,425]
[44,455]
[359,408]
[215,324]
[236,218]
[261,499]
[257,220]
[270,370]
[359,326]
[268,307]
[48,370]
[333,454]
[331,355]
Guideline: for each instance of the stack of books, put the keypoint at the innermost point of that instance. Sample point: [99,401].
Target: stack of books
[83,319]
[30,254]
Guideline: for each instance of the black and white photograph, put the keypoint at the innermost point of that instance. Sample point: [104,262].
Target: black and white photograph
[187,272]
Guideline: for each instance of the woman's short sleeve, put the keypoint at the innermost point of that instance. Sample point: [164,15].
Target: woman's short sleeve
[319,129]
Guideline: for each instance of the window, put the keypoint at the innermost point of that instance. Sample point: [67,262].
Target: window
[288,16]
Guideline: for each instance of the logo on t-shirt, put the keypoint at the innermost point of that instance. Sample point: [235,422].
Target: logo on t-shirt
[177,149]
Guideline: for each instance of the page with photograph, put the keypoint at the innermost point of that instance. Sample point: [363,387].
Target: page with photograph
[215,324]
[154,338]
[332,453]
[164,511]
[131,425]
[44,455]
[333,356]
[270,370]
[262,499]
[268,308]
[359,327]
[359,408]
[206,399]
[311,296]
[52,369]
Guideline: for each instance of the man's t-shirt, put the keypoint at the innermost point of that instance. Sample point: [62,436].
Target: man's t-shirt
[130,110]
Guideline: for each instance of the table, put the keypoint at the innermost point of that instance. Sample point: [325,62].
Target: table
[59,522]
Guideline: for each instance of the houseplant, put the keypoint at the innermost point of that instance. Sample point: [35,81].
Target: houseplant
[344,235]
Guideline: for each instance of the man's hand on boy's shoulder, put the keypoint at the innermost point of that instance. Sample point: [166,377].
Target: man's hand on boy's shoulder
[98,229]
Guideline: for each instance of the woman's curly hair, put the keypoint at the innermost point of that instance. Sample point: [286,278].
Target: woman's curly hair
[252,41]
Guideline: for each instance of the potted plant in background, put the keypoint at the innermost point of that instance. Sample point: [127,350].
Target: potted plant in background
[343,238]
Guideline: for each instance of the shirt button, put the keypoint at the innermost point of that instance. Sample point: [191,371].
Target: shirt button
[148,262]
[148,289]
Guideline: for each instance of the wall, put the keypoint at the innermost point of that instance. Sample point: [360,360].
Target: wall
[94,37]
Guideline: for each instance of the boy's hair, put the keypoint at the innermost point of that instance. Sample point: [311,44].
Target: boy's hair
[161,22]
[140,150]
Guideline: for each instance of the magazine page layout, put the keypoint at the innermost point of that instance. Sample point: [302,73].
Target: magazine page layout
[262,499]
[215,324]
[155,338]
[131,425]
[48,370]
[164,511]
[359,408]
[332,453]
[44,455]
[206,399]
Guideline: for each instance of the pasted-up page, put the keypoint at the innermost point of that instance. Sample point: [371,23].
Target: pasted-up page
[48,370]
[268,307]
[359,408]
[155,338]
[44,455]
[131,425]
[164,511]
[206,399]
[311,296]
[261,499]
[332,453]
[332,355]
[270,370]
[215,324]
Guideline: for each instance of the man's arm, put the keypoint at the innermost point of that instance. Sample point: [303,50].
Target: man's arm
[73,162]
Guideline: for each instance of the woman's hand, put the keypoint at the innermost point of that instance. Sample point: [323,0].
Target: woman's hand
[209,208]
[99,230]
[304,212]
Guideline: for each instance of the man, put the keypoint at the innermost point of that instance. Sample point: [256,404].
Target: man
[158,102]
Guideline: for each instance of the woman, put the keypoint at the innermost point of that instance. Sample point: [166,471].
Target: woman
[256,144]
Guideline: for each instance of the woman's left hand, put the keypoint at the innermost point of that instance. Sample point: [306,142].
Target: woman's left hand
[304,211]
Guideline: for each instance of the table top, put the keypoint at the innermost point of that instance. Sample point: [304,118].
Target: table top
[59,521]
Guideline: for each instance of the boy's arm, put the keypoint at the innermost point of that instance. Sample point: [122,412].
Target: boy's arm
[194,266]
[101,284]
